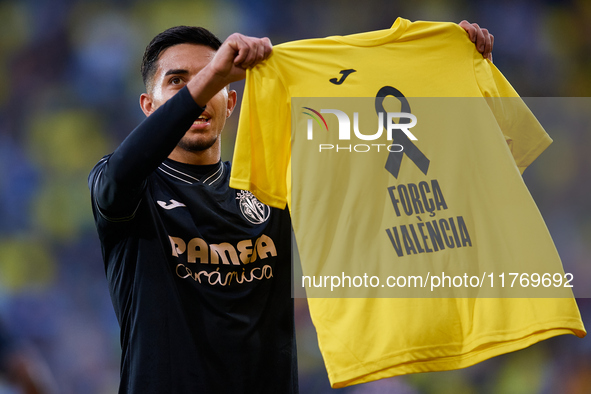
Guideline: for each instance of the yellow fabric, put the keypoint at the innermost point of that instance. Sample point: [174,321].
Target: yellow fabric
[341,205]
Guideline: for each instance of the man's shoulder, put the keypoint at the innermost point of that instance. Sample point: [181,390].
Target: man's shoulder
[99,165]
[97,170]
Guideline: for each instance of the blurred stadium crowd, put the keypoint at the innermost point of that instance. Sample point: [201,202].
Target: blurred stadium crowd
[69,89]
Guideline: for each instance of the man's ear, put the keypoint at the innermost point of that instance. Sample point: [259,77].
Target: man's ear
[146,104]
[231,102]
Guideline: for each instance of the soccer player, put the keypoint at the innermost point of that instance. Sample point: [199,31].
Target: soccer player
[199,274]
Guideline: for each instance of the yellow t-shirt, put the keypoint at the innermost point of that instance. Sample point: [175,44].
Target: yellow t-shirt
[452,203]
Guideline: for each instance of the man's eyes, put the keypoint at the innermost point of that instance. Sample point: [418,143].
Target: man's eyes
[175,81]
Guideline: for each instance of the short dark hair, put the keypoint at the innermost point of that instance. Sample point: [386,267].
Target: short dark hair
[170,37]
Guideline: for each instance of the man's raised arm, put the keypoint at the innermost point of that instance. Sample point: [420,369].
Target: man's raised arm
[117,181]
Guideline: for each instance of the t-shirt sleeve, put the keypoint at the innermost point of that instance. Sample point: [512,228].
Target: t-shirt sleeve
[525,136]
[262,152]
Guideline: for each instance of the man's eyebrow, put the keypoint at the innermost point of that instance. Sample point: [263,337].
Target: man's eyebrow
[176,71]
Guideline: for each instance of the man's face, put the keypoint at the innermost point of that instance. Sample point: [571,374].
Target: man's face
[176,66]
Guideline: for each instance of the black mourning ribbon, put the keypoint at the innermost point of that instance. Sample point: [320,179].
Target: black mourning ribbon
[398,136]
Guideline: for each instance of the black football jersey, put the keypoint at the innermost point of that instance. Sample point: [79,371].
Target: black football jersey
[199,273]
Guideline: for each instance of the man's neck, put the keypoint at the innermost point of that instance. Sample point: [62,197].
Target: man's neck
[209,156]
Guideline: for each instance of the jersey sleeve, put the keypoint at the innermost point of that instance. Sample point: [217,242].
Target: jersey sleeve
[117,181]
[525,136]
[262,151]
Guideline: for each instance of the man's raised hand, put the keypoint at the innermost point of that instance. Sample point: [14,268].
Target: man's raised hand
[480,37]
[237,53]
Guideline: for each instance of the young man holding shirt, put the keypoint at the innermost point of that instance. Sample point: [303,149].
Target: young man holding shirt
[199,274]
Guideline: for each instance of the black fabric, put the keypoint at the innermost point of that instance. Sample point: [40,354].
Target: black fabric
[192,320]
[198,172]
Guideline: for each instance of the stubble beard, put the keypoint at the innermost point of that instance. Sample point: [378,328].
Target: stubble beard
[196,146]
